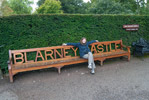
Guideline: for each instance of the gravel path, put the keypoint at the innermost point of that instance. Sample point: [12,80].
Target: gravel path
[117,79]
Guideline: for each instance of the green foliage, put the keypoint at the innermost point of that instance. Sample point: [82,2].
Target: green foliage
[128,4]
[143,8]
[50,6]
[21,6]
[34,31]
[108,7]
[40,2]
[73,6]
[70,6]
[104,7]
[5,10]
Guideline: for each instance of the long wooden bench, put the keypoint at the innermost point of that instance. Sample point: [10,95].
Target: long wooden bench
[59,56]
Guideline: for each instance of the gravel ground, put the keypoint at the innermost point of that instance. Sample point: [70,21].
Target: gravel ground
[117,79]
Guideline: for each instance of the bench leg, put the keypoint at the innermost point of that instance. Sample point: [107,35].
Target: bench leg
[128,57]
[59,69]
[101,62]
[11,78]
[10,73]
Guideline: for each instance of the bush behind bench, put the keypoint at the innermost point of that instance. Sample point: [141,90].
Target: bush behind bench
[34,31]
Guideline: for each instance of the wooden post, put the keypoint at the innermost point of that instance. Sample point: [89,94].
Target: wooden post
[128,48]
[10,73]
[121,43]
[10,67]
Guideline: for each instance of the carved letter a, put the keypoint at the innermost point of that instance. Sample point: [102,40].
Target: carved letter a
[39,56]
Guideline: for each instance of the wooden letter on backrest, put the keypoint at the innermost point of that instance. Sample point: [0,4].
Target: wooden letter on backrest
[75,51]
[116,46]
[39,56]
[66,52]
[107,47]
[110,47]
[109,44]
[56,52]
[99,48]
[121,43]
[93,48]
[50,54]
[18,58]
[26,58]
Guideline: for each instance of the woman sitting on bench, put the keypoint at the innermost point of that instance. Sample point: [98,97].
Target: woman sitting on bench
[85,52]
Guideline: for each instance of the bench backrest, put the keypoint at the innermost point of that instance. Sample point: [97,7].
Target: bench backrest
[59,52]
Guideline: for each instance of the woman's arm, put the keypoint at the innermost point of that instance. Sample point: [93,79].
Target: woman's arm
[74,44]
[93,41]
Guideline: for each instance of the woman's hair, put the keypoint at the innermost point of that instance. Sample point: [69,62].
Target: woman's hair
[81,41]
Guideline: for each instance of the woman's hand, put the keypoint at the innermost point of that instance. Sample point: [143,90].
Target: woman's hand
[64,44]
[96,40]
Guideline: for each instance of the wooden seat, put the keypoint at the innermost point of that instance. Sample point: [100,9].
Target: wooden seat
[23,64]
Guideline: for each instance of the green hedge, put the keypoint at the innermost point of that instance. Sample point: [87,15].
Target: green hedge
[33,31]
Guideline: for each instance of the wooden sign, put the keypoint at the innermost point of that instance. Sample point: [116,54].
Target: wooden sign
[60,52]
[131,27]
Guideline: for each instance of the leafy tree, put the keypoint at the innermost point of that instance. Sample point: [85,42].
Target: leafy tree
[104,6]
[70,6]
[21,6]
[136,6]
[143,8]
[40,2]
[5,10]
[73,6]
[50,6]
[128,4]
[107,7]
[85,8]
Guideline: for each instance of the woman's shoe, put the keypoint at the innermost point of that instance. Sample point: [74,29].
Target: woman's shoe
[92,71]
[90,66]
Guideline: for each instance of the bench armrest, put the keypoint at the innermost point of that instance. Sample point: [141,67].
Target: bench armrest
[9,62]
[128,47]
